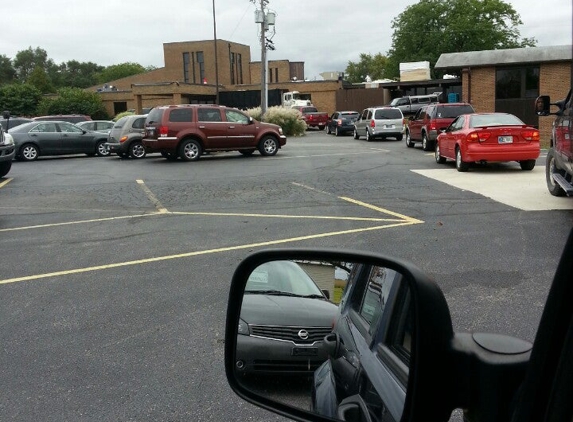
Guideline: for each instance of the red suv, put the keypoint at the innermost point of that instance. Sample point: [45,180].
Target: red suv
[427,123]
[189,130]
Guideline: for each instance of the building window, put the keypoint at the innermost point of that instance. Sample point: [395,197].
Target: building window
[239,69]
[271,75]
[232,63]
[517,82]
[193,67]
[201,62]
[186,67]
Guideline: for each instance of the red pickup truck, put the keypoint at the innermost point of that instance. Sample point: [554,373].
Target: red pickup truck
[313,117]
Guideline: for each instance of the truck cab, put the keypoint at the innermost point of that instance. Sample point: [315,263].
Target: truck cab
[559,165]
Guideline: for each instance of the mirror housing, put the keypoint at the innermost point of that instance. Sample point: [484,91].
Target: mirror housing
[431,342]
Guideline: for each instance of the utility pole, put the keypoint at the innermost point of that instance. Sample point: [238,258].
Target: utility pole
[265,19]
[216,57]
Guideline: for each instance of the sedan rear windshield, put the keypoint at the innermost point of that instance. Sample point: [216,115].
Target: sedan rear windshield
[450,112]
[387,113]
[494,119]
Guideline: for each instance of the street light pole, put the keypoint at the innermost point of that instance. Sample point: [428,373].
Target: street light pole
[263,62]
[216,57]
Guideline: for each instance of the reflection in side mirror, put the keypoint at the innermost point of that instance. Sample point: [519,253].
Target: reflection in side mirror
[348,355]
[542,105]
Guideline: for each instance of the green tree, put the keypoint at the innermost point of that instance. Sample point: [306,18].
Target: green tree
[19,99]
[429,28]
[27,60]
[7,71]
[368,65]
[118,71]
[74,101]
[76,74]
[40,80]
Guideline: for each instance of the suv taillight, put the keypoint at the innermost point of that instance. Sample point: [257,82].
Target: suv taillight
[372,123]
[163,131]
[432,125]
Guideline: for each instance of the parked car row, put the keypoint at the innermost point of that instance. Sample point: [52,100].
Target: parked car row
[374,122]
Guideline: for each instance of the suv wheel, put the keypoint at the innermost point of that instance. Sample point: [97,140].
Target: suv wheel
[527,164]
[356,135]
[368,136]
[268,146]
[550,169]
[327,128]
[426,144]
[336,132]
[5,168]
[190,150]
[137,150]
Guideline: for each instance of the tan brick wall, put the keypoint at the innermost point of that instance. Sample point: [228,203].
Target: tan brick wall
[482,89]
[280,67]
[555,81]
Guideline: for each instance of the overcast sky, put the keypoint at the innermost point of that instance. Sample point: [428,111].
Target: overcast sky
[325,34]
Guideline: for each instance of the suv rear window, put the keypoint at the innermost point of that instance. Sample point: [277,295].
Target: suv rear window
[181,115]
[387,113]
[444,112]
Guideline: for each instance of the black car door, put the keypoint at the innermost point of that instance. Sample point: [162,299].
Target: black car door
[47,137]
[74,140]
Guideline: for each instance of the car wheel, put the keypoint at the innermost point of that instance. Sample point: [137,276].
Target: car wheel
[527,164]
[171,156]
[321,127]
[409,142]
[356,135]
[399,137]
[247,152]
[327,128]
[368,137]
[5,168]
[29,152]
[137,150]
[461,165]
[101,149]
[268,146]
[336,132]
[426,143]
[437,156]
[550,169]
[190,150]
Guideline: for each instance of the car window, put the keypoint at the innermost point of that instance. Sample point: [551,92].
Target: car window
[88,126]
[353,114]
[236,117]
[138,123]
[119,124]
[494,119]
[388,113]
[181,115]
[448,112]
[375,296]
[44,128]
[69,128]
[209,115]
[457,124]
[283,276]
[104,125]
[155,115]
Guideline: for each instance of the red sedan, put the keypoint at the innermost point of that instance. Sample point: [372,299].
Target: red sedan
[488,137]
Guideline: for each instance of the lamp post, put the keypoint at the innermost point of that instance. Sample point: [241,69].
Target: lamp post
[216,57]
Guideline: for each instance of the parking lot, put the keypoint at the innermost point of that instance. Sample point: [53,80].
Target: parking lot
[115,272]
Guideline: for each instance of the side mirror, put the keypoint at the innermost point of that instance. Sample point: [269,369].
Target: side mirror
[542,105]
[6,114]
[251,120]
[290,349]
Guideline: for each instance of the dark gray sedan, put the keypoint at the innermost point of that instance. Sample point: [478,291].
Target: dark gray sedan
[56,138]
[284,318]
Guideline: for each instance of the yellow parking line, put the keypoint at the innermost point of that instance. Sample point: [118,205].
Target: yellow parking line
[382,210]
[197,253]
[5,182]
[152,197]
[309,217]
[67,223]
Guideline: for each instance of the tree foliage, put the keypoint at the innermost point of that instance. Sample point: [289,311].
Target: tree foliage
[19,99]
[119,71]
[74,101]
[429,28]
[7,71]
[368,65]
[40,80]
[27,60]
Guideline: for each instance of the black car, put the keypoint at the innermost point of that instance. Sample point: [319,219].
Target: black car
[41,138]
[341,122]
[370,345]
[284,319]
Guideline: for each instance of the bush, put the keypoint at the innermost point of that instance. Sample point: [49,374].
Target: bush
[287,118]
[122,114]
[74,101]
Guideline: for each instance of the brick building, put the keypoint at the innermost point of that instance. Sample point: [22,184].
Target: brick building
[510,80]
